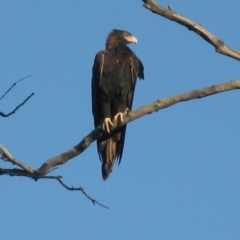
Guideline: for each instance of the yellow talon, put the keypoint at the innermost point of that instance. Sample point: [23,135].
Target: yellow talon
[107,123]
[119,118]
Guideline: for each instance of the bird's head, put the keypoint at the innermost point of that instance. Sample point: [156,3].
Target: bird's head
[119,36]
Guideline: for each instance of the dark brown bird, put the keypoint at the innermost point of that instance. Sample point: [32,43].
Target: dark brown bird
[114,75]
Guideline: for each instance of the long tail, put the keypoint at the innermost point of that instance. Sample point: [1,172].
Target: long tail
[108,154]
[110,150]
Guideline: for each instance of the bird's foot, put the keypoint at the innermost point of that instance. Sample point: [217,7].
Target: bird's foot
[119,117]
[107,124]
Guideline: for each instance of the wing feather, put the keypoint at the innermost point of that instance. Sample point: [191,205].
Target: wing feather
[136,70]
[97,71]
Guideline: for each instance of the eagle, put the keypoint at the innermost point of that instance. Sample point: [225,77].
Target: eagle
[114,75]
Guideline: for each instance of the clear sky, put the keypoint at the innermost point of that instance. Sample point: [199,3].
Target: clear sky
[179,176]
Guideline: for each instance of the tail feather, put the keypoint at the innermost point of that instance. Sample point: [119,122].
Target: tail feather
[110,150]
[107,169]
[108,155]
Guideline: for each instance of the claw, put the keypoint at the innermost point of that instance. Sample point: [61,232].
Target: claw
[107,123]
[118,118]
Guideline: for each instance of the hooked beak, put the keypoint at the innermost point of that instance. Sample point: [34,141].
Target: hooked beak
[131,39]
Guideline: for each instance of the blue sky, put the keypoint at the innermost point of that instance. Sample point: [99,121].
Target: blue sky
[179,176]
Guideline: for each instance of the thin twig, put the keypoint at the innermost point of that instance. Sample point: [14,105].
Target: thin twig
[14,84]
[94,201]
[22,173]
[16,108]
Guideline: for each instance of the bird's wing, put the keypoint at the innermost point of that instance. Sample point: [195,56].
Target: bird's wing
[97,71]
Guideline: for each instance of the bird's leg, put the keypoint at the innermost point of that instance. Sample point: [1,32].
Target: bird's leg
[107,123]
[119,116]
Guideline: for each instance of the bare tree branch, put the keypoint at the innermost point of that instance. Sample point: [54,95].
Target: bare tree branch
[14,172]
[206,35]
[6,156]
[94,201]
[22,173]
[98,133]
[14,84]
[131,116]
[21,104]
[16,108]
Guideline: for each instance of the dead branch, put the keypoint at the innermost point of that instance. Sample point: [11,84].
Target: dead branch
[22,173]
[98,133]
[14,84]
[21,104]
[16,108]
[6,156]
[130,116]
[219,45]
[94,201]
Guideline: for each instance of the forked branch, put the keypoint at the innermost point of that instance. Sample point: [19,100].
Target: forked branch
[21,104]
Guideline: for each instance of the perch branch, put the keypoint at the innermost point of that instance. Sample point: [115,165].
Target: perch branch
[97,133]
[219,45]
[130,116]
